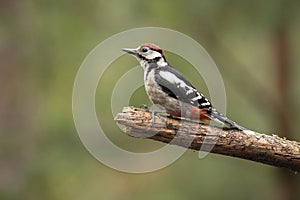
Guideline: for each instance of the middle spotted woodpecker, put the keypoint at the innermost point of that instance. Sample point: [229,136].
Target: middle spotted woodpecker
[170,90]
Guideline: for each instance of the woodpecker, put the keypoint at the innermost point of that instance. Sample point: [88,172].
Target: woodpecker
[171,91]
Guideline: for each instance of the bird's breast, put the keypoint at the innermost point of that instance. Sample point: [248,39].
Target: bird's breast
[158,96]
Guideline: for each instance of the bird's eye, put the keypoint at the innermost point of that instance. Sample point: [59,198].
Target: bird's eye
[144,49]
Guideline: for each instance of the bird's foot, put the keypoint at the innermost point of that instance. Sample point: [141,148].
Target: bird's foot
[159,112]
[154,112]
[145,107]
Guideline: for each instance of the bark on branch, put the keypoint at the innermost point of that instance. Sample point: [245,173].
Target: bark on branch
[249,145]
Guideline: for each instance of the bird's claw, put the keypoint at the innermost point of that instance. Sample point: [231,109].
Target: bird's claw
[153,112]
[144,106]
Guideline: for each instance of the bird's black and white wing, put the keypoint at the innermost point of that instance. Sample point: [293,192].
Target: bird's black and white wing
[176,86]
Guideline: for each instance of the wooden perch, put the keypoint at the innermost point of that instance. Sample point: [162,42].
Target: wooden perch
[249,145]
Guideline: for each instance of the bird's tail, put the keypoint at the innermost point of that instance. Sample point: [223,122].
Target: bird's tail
[214,114]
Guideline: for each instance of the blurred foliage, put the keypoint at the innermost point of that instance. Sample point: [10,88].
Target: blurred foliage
[43,43]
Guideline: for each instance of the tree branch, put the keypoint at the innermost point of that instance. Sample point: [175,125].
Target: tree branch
[249,145]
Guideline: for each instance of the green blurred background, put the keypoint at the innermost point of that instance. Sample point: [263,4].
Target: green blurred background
[255,45]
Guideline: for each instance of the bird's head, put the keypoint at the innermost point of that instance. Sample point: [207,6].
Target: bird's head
[148,53]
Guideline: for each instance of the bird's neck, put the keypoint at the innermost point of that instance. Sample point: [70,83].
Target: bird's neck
[161,62]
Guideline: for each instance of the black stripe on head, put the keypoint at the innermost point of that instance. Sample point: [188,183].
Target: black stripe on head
[153,60]
[158,50]
[153,47]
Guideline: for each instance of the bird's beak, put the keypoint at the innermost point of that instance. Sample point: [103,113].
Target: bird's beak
[130,51]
